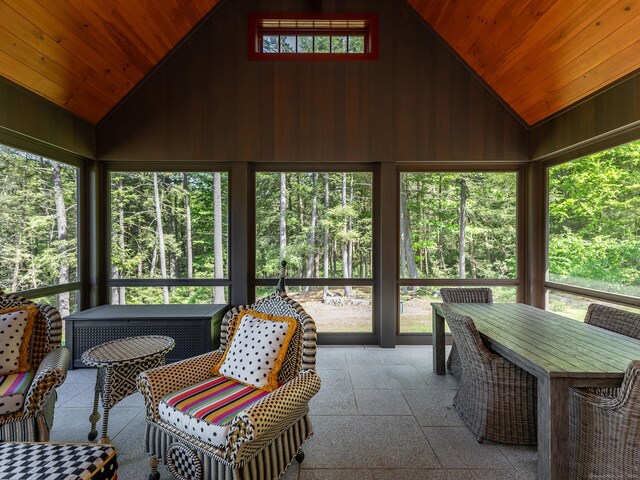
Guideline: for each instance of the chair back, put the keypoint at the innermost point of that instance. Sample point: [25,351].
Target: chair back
[466,295]
[301,354]
[472,350]
[614,319]
[47,328]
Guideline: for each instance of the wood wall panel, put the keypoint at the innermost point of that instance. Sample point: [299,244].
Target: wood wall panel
[417,103]
[32,123]
[603,121]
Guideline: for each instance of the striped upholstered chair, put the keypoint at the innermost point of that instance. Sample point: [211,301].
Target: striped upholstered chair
[462,295]
[257,439]
[27,399]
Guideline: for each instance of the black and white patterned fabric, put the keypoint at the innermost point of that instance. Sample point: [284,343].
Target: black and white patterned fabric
[57,461]
[15,330]
[183,463]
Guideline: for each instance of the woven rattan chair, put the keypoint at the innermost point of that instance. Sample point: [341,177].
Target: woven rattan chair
[604,431]
[261,440]
[33,421]
[614,319]
[462,295]
[496,399]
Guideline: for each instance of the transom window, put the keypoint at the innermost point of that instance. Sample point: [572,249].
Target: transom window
[313,37]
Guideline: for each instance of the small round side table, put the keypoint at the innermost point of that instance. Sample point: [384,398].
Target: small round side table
[119,362]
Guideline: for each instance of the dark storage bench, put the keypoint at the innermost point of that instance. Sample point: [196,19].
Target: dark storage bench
[195,328]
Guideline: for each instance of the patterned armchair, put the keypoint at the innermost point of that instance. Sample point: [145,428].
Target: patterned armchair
[604,430]
[29,416]
[496,399]
[614,319]
[462,295]
[256,443]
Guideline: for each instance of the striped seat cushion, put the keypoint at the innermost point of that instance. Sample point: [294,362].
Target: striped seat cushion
[13,389]
[205,410]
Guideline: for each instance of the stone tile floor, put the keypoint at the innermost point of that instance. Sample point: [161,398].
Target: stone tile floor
[381,414]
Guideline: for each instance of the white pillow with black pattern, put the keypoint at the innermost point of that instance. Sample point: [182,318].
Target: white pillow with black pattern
[257,349]
[16,325]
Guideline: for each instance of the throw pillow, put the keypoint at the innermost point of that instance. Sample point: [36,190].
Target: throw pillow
[257,349]
[16,325]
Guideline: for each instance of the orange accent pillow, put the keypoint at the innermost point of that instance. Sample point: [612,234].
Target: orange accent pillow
[16,326]
[256,349]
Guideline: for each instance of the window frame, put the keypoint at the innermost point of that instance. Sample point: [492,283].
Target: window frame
[330,338]
[173,167]
[548,285]
[80,285]
[369,32]
[519,282]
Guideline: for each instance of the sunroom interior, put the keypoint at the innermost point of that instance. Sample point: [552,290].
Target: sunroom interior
[174,153]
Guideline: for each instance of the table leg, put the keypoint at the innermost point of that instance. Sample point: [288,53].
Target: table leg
[553,428]
[106,405]
[438,342]
[95,415]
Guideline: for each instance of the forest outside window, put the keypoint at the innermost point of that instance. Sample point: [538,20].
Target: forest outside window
[455,226]
[313,37]
[39,227]
[169,237]
[321,224]
[594,231]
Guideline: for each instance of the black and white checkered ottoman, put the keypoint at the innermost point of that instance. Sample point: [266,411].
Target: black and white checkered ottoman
[57,461]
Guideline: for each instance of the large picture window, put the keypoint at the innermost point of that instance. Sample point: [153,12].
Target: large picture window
[39,227]
[169,237]
[321,224]
[594,227]
[456,229]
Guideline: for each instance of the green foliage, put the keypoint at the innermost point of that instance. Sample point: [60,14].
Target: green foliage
[30,252]
[594,228]
[433,207]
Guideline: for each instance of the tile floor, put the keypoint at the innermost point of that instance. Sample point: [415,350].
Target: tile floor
[381,414]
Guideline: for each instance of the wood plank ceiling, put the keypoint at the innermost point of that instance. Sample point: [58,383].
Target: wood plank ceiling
[86,55]
[540,56]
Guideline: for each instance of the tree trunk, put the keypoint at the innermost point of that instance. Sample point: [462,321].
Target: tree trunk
[407,241]
[350,263]
[463,227]
[345,253]
[163,260]
[61,221]
[312,231]
[218,270]
[283,215]
[18,259]
[443,265]
[121,290]
[187,213]
[325,270]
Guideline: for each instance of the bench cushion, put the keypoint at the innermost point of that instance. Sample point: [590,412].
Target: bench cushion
[205,410]
[58,461]
[13,390]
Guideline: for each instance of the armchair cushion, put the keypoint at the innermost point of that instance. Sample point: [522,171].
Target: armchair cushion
[205,410]
[13,390]
[257,349]
[16,325]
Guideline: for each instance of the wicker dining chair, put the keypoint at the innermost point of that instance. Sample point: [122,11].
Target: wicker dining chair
[604,430]
[462,295]
[496,399]
[261,440]
[33,420]
[614,319]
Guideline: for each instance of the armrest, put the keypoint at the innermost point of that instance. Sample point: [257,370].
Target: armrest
[158,382]
[273,413]
[51,373]
[627,396]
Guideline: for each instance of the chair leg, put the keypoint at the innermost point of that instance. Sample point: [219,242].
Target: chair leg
[300,456]
[154,475]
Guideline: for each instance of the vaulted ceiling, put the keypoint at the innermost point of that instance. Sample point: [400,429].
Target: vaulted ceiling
[539,56]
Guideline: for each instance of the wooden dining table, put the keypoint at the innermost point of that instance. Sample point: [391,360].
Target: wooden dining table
[560,352]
